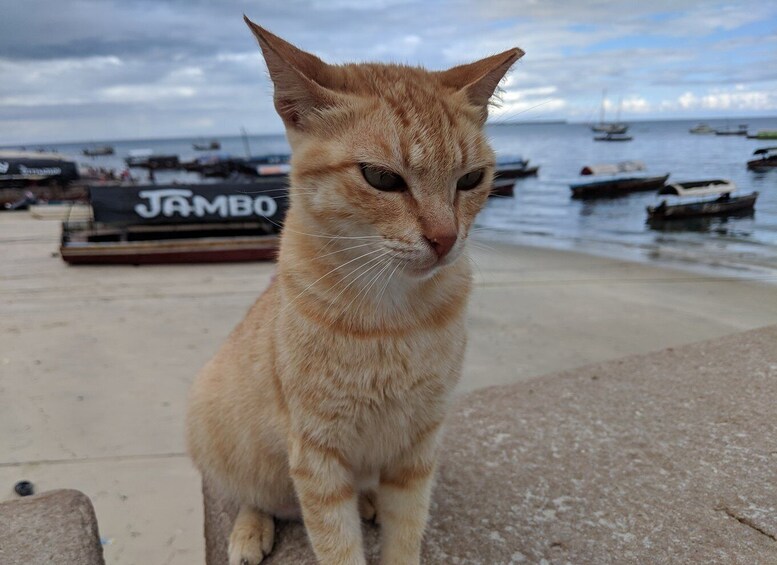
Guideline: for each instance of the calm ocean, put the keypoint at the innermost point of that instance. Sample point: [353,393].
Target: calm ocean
[542,213]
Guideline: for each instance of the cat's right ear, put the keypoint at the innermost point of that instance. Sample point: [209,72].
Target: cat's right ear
[298,77]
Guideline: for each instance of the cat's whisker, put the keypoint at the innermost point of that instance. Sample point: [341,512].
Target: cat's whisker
[307,288]
[388,280]
[351,283]
[366,289]
[341,250]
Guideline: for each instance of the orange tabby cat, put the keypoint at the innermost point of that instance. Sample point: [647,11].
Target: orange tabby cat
[337,381]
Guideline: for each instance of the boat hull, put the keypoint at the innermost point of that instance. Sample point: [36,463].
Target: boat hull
[710,208]
[195,250]
[762,164]
[503,187]
[617,187]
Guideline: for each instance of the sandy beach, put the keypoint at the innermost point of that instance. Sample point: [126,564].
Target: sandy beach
[95,362]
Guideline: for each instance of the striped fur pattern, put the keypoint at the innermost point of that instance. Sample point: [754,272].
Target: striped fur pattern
[336,383]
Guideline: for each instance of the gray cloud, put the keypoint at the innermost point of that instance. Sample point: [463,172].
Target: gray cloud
[138,68]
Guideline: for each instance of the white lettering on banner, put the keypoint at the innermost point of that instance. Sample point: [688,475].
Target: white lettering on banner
[170,202]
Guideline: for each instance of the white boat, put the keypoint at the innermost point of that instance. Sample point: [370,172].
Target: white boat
[702,129]
[616,127]
[723,202]
[613,168]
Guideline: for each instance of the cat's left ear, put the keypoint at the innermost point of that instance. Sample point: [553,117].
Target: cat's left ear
[479,80]
[301,80]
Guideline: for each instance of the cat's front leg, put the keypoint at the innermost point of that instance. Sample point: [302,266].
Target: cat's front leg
[404,493]
[328,496]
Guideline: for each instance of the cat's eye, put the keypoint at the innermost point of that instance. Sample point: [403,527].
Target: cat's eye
[382,179]
[470,180]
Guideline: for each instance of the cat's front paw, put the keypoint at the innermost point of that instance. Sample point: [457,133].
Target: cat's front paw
[252,537]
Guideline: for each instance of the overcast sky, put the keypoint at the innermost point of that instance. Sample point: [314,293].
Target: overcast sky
[117,69]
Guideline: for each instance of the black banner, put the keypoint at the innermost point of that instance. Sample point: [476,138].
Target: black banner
[191,203]
[13,168]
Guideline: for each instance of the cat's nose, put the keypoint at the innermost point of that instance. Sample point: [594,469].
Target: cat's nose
[441,243]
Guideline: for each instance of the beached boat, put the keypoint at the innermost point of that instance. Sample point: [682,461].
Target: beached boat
[618,186]
[61,211]
[702,129]
[25,168]
[613,168]
[741,130]
[766,159]
[145,159]
[764,134]
[613,137]
[213,145]
[98,151]
[722,202]
[179,224]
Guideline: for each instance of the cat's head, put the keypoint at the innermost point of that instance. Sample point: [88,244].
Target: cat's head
[392,154]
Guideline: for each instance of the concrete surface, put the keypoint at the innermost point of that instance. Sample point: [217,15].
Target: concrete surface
[95,362]
[662,458]
[58,526]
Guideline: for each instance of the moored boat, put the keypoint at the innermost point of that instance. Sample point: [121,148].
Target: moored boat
[213,145]
[617,186]
[764,134]
[514,167]
[503,187]
[613,168]
[766,159]
[702,129]
[613,137]
[145,159]
[98,151]
[741,130]
[722,203]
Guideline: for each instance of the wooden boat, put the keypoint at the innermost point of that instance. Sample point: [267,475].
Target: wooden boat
[742,130]
[617,186]
[503,187]
[767,159]
[179,223]
[213,145]
[764,134]
[94,243]
[723,203]
[613,137]
[616,127]
[98,151]
[145,159]
[61,211]
[514,167]
[702,129]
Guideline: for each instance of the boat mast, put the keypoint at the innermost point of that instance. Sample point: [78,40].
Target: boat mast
[245,143]
[618,115]
[601,110]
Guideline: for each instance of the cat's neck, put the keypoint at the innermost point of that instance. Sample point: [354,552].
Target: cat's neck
[353,286]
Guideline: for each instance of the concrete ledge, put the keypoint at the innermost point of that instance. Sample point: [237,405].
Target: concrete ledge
[669,457]
[58,526]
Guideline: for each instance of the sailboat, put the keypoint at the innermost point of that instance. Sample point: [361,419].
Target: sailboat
[615,127]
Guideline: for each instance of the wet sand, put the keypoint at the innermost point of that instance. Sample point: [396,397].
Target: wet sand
[95,362]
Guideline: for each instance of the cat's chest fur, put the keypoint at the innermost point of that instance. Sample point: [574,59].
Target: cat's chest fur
[370,397]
